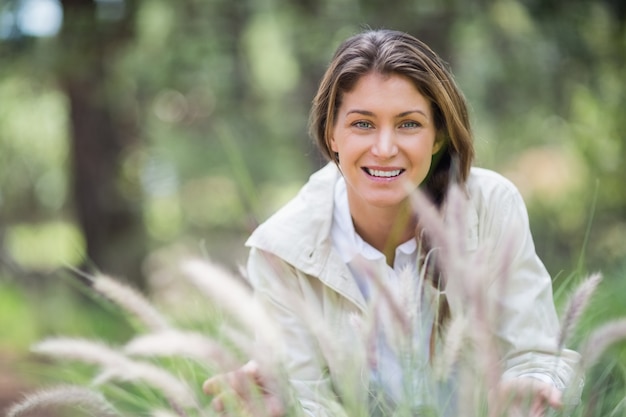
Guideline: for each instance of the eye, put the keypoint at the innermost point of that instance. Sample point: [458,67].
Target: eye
[362,124]
[410,124]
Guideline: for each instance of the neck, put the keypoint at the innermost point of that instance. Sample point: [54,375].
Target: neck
[384,228]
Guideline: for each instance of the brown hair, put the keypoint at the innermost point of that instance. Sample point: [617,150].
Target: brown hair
[391,52]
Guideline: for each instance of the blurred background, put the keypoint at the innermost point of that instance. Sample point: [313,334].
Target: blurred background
[136,132]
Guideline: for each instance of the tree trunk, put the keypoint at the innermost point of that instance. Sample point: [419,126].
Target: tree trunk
[108,206]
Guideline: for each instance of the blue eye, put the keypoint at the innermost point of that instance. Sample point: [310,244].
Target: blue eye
[410,124]
[362,124]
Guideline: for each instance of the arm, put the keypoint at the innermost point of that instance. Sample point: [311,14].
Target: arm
[289,296]
[529,326]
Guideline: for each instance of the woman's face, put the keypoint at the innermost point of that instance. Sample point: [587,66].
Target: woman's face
[385,136]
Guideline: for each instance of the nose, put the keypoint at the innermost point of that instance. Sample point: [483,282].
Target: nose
[385,145]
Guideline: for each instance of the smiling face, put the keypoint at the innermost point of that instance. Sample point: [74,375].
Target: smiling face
[385,136]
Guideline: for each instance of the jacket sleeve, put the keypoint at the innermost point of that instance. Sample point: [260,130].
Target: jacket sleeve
[522,292]
[281,290]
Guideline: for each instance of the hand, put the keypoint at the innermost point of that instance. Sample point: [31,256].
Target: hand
[525,397]
[243,392]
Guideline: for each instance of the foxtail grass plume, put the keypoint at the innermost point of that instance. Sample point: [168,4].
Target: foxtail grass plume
[91,402]
[430,220]
[469,271]
[174,389]
[600,340]
[132,302]
[234,297]
[410,291]
[392,301]
[455,336]
[177,343]
[81,350]
[576,305]
[116,366]
[447,248]
[367,335]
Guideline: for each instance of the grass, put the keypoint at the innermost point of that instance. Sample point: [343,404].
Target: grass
[157,365]
[132,396]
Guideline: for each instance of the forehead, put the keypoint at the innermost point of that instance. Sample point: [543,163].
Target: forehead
[384,90]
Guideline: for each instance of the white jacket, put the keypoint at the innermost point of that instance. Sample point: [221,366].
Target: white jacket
[309,291]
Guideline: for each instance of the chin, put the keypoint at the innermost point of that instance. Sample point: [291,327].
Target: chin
[386,202]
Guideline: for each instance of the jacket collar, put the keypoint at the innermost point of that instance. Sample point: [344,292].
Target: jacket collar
[299,233]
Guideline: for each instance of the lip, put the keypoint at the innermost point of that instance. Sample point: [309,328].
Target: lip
[384,174]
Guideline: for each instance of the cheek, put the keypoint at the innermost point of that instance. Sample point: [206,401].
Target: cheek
[422,160]
[424,152]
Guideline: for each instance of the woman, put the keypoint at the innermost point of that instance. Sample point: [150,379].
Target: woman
[390,118]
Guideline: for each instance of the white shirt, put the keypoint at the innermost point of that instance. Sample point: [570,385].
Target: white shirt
[367,264]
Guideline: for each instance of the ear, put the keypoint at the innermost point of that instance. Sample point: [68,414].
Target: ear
[440,142]
[333,144]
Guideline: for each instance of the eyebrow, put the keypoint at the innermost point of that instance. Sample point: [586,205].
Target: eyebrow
[371,114]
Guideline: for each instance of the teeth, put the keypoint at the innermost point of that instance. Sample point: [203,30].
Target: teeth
[383,174]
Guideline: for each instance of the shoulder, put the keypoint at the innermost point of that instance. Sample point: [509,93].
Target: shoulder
[486,183]
[496,201]
[302,222]
[489,191]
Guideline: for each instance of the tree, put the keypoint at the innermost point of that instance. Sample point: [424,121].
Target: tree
[104,128]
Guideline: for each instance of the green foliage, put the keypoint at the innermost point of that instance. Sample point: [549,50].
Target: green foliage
[227,89]
[46,246]
[17,334]
[33,139]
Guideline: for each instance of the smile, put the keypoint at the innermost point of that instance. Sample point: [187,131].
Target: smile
[383,174]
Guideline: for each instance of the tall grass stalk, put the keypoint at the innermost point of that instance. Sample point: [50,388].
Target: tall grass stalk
[179,343]
[455,336]
[233,296]
[89,401]
[116,366]
[470,272]
[601,339]
[576,306]
[131,301]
